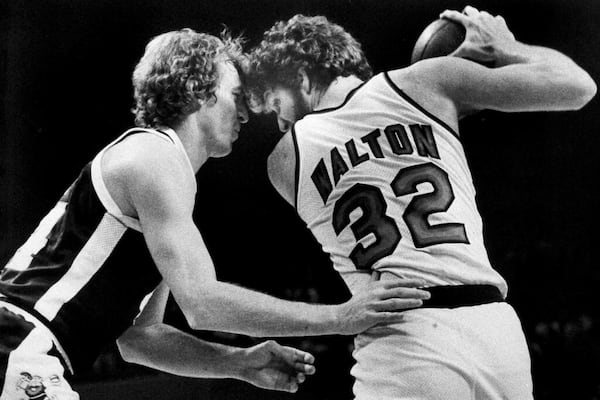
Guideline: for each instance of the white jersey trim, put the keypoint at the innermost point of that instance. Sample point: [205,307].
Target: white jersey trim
[87,263]
[98,181]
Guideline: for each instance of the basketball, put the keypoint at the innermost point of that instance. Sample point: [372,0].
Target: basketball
[439,38]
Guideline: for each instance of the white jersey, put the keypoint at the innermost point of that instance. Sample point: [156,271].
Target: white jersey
[384,185]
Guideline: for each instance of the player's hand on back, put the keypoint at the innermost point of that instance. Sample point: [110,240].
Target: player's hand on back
[486,34]
[379,302]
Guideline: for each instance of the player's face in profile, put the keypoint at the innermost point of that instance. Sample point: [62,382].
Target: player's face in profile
[288,104]
[221,118]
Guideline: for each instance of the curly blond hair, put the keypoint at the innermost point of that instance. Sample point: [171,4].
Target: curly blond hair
[177,69]
[322,48]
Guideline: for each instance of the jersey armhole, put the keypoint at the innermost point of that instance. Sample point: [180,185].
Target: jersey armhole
[412,102]
[100,187]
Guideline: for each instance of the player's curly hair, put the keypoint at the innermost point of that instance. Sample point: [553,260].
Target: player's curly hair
[177,69]
[322,48]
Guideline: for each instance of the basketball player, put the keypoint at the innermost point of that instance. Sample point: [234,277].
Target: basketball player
[376,169]
[125,226]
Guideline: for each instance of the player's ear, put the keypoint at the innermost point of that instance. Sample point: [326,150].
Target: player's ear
[209,101]
[305,83]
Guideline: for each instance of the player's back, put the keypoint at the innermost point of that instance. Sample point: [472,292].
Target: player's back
[384,185]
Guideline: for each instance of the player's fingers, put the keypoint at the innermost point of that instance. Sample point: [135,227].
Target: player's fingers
[502,21]
[286,384]
[300,378]
[397,305]
[401,282]
[470,11]
[375,275]
[302,356]
[455,16]
[307,369]
[405,293]
[390,317]
[291,387]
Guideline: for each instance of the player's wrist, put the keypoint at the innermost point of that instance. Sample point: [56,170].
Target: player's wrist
[238,365]
[326,320]
[512,52]
[322,319]
[341,321]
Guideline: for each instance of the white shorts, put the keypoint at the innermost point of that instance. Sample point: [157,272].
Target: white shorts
[31,364]
[477,352]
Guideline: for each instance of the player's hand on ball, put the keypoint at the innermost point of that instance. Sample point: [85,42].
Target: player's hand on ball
[269,365]
[486,34]
[379,302]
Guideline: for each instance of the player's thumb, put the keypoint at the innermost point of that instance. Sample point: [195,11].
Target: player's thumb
[463,51]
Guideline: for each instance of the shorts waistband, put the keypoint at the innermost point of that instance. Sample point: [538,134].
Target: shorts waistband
[454,296]
[461,296]
[5,302]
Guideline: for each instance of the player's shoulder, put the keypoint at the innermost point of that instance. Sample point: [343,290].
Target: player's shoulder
[431,72]
[148,149]
[426,83]
[282,159]
[281,166]
[284,149]
[143,158]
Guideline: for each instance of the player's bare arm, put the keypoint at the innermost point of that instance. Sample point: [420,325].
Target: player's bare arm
[152,343]
[161,191]
[526,78]
[267,365]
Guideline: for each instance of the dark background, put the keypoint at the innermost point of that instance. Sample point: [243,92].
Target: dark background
[65,69]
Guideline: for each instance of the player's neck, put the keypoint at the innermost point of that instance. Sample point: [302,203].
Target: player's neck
[337,92]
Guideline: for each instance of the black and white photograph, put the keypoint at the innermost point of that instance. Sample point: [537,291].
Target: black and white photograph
[311,200]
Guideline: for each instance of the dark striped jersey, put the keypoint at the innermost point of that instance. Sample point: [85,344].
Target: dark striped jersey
[86,268]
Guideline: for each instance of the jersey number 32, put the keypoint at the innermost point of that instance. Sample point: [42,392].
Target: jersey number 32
[374,220]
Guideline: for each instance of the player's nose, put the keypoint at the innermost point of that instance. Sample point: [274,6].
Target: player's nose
[243,113]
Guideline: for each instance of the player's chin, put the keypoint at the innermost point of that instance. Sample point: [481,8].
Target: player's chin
[223,151]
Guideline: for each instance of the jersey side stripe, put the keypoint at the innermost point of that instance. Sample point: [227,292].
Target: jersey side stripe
[24,255]
[86,264]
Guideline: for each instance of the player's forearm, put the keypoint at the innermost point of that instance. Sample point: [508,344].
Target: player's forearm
[167,349]
[212,305]
[574,85]
[226,307]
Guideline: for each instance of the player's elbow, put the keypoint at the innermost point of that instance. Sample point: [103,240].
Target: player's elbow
[198,320]
[202,309]
[129,345]
[584,91]
[575,88]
